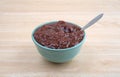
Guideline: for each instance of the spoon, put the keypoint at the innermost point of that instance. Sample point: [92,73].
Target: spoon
[94,20]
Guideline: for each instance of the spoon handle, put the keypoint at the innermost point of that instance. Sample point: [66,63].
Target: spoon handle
[93,21]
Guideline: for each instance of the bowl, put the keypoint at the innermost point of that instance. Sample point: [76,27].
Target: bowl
[57,55]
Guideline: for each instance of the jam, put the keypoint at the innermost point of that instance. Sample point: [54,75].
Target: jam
[59,35]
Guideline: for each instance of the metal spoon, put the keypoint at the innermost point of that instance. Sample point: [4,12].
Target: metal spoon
[93,21]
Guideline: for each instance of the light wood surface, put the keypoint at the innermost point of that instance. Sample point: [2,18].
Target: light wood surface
[99,56]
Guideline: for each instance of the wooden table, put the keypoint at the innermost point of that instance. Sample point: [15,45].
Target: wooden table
[99,56]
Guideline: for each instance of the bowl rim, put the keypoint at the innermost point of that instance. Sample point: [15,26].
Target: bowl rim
[84,38]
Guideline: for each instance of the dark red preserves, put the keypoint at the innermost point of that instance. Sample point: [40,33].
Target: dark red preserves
[59,35]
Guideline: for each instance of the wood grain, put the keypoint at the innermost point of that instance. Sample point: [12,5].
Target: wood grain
[99,56]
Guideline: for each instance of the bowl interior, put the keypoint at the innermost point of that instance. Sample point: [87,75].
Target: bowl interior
[51,48]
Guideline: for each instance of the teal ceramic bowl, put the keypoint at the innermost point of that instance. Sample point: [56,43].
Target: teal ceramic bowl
[57,55]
